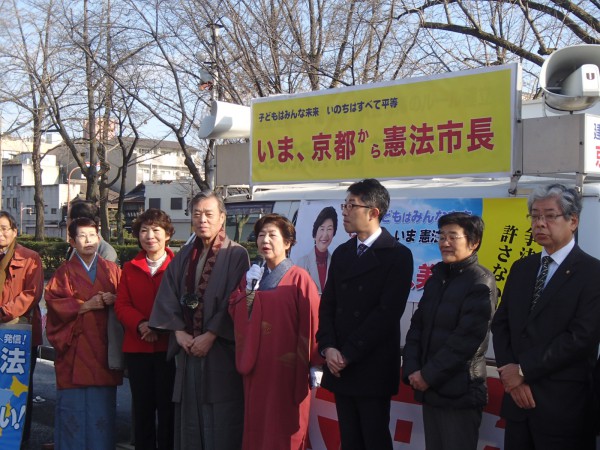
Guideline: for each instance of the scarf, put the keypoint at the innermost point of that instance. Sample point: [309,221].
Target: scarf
[271,279]
[194,317]
[321,259]
[5,262]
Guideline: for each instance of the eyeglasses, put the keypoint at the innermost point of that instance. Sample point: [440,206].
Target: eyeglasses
[85,237]
[350,206]
[450,237]
[5,230]
[548,218]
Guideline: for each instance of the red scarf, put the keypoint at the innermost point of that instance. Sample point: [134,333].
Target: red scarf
[321,258]
[194,317]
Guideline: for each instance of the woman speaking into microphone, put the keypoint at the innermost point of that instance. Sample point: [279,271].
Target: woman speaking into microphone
[275,313]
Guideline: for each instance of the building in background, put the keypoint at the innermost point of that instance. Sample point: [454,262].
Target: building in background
[152,160]
[18,192]
[156,167]
[172,197]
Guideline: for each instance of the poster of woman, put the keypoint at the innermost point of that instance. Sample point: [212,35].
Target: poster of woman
[316,261]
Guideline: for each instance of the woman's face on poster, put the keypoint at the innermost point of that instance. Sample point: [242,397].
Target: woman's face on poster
[324,235]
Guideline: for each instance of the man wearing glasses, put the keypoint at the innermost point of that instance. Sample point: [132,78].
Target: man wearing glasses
[546,332]
[359,319]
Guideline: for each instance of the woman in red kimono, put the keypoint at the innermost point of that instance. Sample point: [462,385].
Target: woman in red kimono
[275,317]
[151,376]
[77,298]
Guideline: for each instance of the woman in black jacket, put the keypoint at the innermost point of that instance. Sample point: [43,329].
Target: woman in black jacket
[444,355]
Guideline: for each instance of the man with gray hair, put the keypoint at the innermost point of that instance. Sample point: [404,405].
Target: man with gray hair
[546,332]
[192,302]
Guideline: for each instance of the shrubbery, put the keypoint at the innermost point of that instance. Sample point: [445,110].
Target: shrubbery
[251,248]
[53,250]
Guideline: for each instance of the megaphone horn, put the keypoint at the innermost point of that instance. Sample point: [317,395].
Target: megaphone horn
[226,121]
[570,78]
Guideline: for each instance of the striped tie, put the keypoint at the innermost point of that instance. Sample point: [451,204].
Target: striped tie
[361,249]
[540,281]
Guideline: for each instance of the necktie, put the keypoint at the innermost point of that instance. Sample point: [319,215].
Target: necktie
[361,249]
[540,281]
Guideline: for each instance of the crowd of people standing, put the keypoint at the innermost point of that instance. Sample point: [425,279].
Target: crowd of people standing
[221,354]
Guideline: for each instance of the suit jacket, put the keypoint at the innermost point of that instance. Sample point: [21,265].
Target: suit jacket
[556,344]
[309,263]
[361,306]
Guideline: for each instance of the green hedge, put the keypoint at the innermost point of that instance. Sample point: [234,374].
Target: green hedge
[133,241]
[126,252]
[53,251]
[251,248]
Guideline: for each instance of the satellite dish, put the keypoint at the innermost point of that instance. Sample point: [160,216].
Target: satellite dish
[570,78]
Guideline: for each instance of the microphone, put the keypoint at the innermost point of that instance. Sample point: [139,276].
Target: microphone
[260,262]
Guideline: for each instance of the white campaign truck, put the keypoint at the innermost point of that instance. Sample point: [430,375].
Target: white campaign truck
[439,144]
[302,203]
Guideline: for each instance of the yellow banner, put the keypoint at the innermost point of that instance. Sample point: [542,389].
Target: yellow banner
[507,236]
[452,125]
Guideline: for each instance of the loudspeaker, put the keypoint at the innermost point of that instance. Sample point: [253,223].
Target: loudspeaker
[226,121]
[570,78]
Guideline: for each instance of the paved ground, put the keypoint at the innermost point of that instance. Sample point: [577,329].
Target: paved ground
[44,395]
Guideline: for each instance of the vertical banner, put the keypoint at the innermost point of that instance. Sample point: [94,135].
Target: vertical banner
[592,143]
[507,236]
[15,363]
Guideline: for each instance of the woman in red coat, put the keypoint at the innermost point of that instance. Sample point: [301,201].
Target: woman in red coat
[151,376]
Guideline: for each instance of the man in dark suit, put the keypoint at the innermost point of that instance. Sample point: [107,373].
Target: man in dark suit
[546,332]
[359,319]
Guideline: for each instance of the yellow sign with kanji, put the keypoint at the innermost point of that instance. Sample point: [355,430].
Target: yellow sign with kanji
[452,125]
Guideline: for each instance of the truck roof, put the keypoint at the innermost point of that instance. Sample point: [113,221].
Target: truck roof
[465,187]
